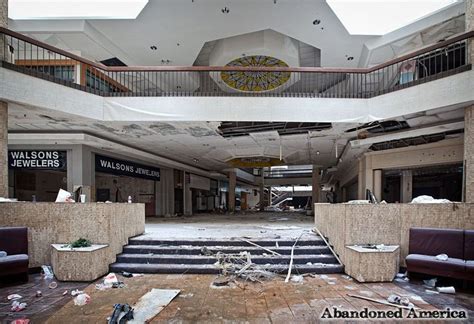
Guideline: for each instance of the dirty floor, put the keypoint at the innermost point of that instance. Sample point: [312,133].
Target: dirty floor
[270,302]
[248,224]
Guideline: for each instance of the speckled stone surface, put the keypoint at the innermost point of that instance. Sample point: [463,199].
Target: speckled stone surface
[79,265]
[50,223]
[346,224]
[469,151]
[3,149]
[372,266]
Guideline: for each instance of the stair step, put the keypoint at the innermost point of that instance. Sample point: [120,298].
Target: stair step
[202,259]
[211,269]
[196,250]
[231,242]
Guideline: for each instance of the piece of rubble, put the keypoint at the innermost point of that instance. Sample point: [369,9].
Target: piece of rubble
[220,281]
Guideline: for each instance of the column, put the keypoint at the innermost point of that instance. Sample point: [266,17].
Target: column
[406,184]
[165,193]
[81,171]
[378,184]
[232,184]
[361,180]
[3,114]
[316,183]
[470,25]
[469,154]
[262,191]
[3,149]
[187,197]
[269,196]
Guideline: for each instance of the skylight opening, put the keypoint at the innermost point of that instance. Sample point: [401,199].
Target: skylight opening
[75,9]
[376,17]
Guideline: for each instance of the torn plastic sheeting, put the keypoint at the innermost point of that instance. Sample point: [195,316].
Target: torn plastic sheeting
[429,200]
[151,304]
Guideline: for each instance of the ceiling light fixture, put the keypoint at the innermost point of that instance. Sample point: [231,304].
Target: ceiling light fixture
[153,47]
[316,22]
[350,58]
[225,10]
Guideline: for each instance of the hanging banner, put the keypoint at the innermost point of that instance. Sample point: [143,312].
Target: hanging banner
[37,160]
[119,167]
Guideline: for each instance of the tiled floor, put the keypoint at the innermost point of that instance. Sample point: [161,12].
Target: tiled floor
[39,308]
[271,302]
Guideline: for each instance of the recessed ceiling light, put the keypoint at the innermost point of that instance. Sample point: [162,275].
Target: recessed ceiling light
[153,47]
[225,10]
[350,58]
[317,152]
[316,22]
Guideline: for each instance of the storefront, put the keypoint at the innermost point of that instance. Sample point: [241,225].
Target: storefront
[117,180]
[37,175]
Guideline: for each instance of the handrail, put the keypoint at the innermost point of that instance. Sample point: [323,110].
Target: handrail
[400,59]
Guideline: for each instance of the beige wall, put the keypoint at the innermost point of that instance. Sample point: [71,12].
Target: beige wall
[349,224]
[440,153]
[50,223]
[469,155]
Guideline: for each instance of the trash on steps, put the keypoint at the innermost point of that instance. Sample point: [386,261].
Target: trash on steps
[151,304]
[14,297]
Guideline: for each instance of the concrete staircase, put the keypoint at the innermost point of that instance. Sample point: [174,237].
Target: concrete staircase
[144,255]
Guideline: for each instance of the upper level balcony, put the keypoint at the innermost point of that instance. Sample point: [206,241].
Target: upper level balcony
[242,78]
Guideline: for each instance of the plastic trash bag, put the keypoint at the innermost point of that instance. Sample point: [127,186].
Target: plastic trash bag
[82,299]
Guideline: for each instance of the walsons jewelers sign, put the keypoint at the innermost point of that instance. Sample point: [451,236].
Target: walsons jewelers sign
[38,160]
[110,165]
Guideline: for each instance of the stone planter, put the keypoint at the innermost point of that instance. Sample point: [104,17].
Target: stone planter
[79,264]
[372,265]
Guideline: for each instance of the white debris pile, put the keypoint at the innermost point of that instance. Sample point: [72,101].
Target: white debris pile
[429,200]
[240,265]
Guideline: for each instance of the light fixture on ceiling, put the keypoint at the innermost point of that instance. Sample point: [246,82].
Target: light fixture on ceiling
[177,44]
[317,153]
[225,10]
[153,47]
[165,61]
[350,58]
[316,22]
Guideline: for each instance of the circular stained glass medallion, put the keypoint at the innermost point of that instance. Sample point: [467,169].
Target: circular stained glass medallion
[255,81]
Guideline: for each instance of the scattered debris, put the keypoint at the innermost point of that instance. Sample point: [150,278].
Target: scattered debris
[65,293]
[14,297]
[347,277]
[188,295]
[263,248]
[17,306]
[75,292]
[241,265]
[64,196]
[127,274]
[431,283]
[47,271]
[206,251]
[296,279]
[383,302]
[20,321]
[221,281]
[151,304]
[402,277]
[442,257]
[431,292]
[350,287]
[82,299]
[291,258]
[446,290]
[429,200]
[395,299]
[39,293]
[53,285]
[122,314]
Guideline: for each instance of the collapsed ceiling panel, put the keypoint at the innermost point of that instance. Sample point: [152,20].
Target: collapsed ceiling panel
[234,129]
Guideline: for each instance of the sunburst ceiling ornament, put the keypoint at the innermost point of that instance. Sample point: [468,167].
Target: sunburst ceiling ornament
[255,81]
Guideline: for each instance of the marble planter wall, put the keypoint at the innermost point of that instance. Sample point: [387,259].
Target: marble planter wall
[350,224]
[50,223]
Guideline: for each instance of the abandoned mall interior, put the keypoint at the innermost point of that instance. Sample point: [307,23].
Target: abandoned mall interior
[236,161]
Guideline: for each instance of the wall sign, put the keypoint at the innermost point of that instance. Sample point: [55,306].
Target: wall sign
[37,160]
[114,166]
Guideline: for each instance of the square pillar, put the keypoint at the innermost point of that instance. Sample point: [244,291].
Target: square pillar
[469,154]
[378,184]
[406,186]
[262,192]
[232,184]
[316,183]
[3,149]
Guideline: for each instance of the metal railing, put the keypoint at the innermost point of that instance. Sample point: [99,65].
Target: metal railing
[27,55]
